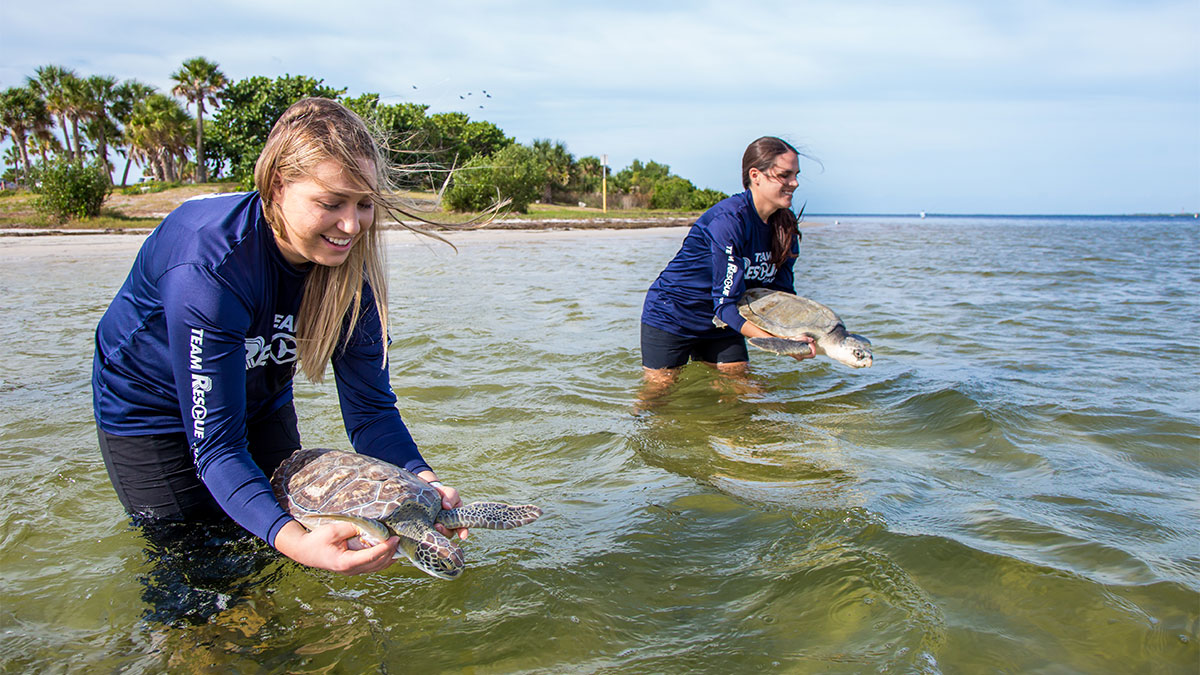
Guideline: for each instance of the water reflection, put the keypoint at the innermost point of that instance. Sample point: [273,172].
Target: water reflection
[723,431]
[197,570]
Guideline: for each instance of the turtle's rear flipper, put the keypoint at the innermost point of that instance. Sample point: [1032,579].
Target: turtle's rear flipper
[782,345]
[489,515]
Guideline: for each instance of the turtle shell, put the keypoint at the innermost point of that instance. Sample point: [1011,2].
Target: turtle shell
[785,314]
[314,482]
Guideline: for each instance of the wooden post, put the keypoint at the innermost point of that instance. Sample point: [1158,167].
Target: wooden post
[604,182]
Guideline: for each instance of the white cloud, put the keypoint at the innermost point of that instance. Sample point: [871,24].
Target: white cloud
[930,88]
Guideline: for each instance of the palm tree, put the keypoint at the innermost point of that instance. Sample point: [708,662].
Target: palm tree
[158,135]
[199,80]
[556,162]
[128,94]
[43,142]
[77,106]
[21,113]
[49,84]
[12,157]
[102,97]
[586,174]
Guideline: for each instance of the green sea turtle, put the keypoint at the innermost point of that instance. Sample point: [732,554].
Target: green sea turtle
[318,486]
[789,316]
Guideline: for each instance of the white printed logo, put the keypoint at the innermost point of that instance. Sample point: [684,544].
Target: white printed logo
[256,352]
[730,272]
[282,348]
[201,385]
[762,269]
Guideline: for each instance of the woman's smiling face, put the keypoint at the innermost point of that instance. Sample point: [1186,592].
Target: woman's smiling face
[773,188]
[324,214]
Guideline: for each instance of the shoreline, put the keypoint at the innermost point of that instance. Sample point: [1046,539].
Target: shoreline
[403,226]
[71,243]
[81,244]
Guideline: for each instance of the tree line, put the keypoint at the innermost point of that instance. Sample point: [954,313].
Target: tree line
[471,161]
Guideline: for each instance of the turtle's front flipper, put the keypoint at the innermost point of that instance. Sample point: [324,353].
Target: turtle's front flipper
[432,553]
[781,345]
[490,515]
[370,532]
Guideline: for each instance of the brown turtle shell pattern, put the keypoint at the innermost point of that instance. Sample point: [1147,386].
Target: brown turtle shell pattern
[788,315]
[320,481]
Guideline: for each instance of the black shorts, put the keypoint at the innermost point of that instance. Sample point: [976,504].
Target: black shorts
[661,349]
[155,475]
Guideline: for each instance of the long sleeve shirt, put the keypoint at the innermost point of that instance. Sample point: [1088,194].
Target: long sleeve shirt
[201,339]
[726,251]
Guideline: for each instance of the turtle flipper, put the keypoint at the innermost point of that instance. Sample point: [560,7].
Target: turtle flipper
[781,345]
[489,515]
[370,532]
[432,553]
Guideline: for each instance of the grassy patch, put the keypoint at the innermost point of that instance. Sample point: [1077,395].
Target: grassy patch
[559,211]
[146,188]
[131,208]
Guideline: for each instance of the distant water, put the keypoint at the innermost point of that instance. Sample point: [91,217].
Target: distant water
[1013,487]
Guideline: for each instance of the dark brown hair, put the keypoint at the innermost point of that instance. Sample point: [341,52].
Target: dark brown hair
[761,155]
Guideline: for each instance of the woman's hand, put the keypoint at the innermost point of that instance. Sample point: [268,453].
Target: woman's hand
[450,500]
[812,349]
[329,548]
[752,331]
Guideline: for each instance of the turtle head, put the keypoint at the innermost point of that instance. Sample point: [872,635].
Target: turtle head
[434,555]
[854,351]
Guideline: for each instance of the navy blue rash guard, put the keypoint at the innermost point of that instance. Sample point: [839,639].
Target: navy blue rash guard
[727,251]
[201,339]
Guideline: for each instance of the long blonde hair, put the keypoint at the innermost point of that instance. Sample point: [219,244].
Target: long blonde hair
[312,131]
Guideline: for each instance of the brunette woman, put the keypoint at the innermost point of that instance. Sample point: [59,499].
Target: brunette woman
[745,241]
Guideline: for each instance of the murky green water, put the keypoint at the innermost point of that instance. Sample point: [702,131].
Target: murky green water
[1012,488]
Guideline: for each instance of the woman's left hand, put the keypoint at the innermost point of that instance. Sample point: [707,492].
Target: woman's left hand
[812,353]
[752,331]
[450,500]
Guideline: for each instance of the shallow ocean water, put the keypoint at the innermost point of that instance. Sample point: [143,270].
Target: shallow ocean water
[1013,487]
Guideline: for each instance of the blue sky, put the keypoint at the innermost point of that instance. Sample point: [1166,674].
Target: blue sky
[1052,106]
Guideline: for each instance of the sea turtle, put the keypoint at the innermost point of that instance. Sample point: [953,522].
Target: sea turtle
[789,316]
[318,486]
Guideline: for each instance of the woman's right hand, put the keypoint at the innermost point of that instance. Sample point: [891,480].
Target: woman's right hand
[328,548]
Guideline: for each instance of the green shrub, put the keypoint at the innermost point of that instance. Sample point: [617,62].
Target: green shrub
[512,173]
[672,193]
[703,200]
[71,191]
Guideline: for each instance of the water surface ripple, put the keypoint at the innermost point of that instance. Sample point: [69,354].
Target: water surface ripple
[1011,488]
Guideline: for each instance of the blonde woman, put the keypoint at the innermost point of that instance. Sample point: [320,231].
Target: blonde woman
[192,378]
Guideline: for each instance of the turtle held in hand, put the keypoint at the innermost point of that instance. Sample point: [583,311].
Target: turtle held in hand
[318,486]
[789,316]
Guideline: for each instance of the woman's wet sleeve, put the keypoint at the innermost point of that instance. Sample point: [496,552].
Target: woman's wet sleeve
[206,327]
